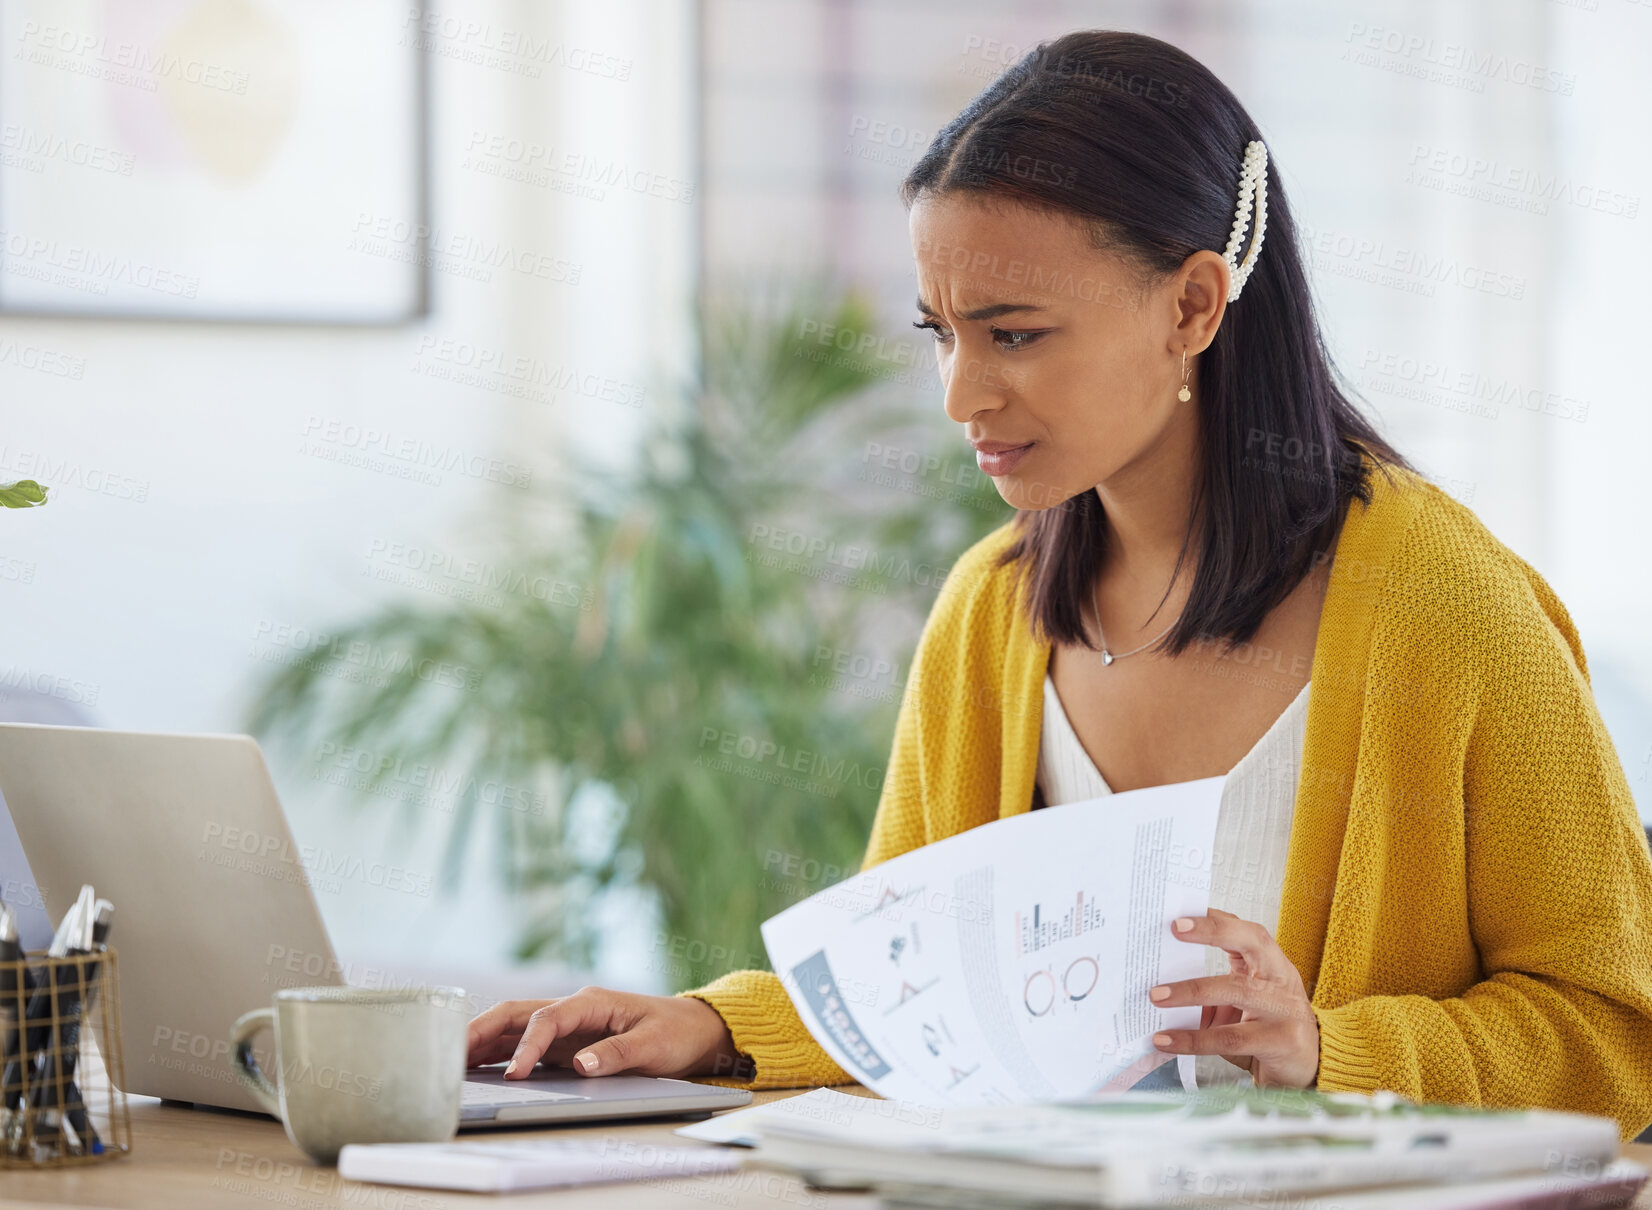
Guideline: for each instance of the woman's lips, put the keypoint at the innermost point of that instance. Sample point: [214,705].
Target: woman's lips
[1001,462]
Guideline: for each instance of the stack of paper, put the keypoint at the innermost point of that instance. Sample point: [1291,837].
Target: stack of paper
[1257,1147]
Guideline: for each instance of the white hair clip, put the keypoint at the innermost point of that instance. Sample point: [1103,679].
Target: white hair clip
[1253,183]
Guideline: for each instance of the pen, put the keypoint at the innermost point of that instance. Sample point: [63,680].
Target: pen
[47,1092]
[15,980]
[11,1081]
[40,1019]
[74,1101]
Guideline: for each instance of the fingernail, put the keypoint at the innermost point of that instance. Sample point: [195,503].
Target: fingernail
[1160,993]
[1161,1039]
[1183,924]
[587,1061]
[510,1067]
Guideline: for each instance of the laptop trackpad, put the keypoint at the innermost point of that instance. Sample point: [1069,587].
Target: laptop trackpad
[506,1100]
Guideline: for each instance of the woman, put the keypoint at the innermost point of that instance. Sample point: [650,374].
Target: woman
[1430,877]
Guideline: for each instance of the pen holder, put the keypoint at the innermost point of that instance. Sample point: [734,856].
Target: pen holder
[63,1102]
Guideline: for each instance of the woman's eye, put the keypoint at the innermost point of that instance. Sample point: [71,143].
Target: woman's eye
[1007,340]
[1014,340]
[929,325]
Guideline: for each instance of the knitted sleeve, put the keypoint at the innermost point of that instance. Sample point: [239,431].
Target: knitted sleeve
[1559,897]
[778,1050]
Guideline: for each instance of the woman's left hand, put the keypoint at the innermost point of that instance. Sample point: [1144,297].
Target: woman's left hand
[1256,1016]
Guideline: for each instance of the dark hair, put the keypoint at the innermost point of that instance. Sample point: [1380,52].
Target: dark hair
[1141,141]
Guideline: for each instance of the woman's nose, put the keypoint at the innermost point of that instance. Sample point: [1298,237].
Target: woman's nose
[973,385]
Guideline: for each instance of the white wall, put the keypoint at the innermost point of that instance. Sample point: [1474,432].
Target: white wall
[1599,503]
[161,613]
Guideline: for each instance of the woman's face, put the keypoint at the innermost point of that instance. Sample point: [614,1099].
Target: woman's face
[1057,355]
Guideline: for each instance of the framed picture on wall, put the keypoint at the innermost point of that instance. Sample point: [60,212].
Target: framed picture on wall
[239,160]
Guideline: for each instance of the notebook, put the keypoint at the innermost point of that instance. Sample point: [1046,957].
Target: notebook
[511,1165]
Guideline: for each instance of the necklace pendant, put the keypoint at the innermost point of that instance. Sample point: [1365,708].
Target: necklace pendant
[1106,656]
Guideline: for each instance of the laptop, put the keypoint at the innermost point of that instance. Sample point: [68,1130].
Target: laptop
[214,914]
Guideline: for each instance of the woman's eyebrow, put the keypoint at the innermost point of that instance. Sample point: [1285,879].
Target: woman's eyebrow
[988,312]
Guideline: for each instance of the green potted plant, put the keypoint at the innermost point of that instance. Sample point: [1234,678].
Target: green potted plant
[674,699]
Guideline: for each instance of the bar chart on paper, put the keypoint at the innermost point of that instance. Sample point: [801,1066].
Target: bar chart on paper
[1037,929]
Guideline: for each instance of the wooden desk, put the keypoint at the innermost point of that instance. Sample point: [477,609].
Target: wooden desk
[190,1159]
[185,1159]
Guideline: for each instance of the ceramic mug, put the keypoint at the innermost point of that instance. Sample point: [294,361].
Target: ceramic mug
[359,1065]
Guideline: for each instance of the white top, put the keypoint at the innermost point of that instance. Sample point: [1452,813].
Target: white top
[1253,824]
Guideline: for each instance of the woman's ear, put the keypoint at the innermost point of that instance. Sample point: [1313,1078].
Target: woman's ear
[1200,289]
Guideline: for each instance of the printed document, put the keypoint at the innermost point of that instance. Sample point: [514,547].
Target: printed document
[1009,963]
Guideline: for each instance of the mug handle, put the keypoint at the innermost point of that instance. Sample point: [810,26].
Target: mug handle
[240,1044]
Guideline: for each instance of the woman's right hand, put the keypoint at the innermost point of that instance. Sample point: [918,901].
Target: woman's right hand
[599,1032]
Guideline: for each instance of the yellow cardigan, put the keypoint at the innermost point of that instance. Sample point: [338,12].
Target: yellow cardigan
[1468,891]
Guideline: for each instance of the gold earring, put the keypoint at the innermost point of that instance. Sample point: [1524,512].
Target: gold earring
[1184,394]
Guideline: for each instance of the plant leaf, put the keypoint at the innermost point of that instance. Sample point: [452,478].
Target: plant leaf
[25,493]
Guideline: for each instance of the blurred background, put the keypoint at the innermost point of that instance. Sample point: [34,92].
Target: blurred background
[509,411]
